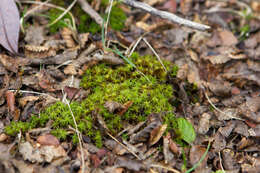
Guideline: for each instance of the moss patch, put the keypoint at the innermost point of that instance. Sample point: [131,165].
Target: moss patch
[110,83]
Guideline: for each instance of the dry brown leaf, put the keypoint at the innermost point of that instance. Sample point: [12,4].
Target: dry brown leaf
[32,51]
[229,162]
[168,156]
[204,123]
[71,92]
[34,35]
[126,107]
[41,154]
[70,70]
[196,153]
[228,38]
[156,134]
[83,39]
[113,107]
[67,35]
[9,63]
[10,98]
[48,139]
[45,81]
[24,100]
[143,135]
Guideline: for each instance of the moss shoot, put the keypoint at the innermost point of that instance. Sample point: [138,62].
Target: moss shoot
[110,83]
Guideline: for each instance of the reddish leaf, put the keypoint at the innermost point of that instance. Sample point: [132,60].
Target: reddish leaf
[71,91]
[10,100]
[9,25]
[95,160]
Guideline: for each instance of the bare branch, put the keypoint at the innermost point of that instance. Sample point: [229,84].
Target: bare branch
[90,11]
[165,15]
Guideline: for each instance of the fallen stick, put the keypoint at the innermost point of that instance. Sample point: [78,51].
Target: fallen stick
[165,15]
[136,4]
[90,11]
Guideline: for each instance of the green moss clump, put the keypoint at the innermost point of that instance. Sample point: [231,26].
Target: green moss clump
[15,127]
[110,83]
[124,83]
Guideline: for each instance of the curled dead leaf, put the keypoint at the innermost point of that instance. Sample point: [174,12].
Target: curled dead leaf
[156,134]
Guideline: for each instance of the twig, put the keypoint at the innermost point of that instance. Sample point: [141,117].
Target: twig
[108,16]
[164,167]
[29,12]
[79,138]
[165,15]
[52,6]
[123,146]
[220,162]
[31,92]
[89,10]
[155,53]
[63,14]
[210,102]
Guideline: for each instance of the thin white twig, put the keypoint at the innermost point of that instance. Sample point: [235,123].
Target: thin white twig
[134,47]
[108,16]
[166,168]
[63,14]
[123,146]
[155,53]
[79,138]
[210,102]
[52,6]
[220,162]
[165,15]
[29,12]
[31,92]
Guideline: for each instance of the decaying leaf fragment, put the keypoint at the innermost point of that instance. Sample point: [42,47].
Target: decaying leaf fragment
[32,51]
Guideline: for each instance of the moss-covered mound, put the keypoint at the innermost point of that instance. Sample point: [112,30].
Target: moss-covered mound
[107,83]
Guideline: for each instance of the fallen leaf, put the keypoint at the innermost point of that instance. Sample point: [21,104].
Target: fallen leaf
[228,38]
[132,165]
[71,92]
[170,5]
[112,106]
[144,134]
[95,160]
[196,152]
[156,134]
[229,162]
[32,51]
[204,123]
[168,156]
[185,130]
[46,82]
[24,100]
[9,63]
[41,154]
[9,25]
[67,35]
[10,98]
[48,139]
[34,35]
[70,70]
[126,107]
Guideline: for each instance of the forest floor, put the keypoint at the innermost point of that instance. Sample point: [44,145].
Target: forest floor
[132,93]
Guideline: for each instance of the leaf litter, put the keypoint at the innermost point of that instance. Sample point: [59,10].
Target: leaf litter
[216,91]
